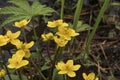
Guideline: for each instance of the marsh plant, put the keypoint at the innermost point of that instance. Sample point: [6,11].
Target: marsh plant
[45,63]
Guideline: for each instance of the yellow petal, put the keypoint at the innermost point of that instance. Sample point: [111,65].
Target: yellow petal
[14,41]
[61,42]
[67,37]
[8,33]
[16,34]
[71,74]
[76,67]
[48,36]
[11,66]
[3,40]
[22,63]
[21,23]
[97,78]
[91,76]
[17,43]
[10,60]
[29,45]
[17,24]
[27,53]
[20,53]
[51,24]
[60,65]
[73,33]
[2,73]
[64,25]
[84,75]
[69,63]
[62,72]
[59,22]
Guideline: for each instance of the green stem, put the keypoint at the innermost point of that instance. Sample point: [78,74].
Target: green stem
[35,34]
[76,17]
[40,73]
[56,55]
[90,37]
[53,65]
[8,73]
[20,74]
[29,67]
[38,48]
[65,76]
[49,54]
[62,9]
[77,13]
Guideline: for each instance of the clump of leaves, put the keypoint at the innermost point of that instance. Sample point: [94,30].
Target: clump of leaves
[23,10]
[82,27]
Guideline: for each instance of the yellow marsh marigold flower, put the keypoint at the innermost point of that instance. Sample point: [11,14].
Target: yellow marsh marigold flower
[23,46]
[12,36]
[61,42]
[21,23]
[90,76]
[48,36]
[66,32]
[2,73]
[3,40]
[17,60]
[57,23]
[67,68]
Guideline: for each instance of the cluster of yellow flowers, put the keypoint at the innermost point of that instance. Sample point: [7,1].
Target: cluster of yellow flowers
[2,73]
[22,48]
[63,34]
[68,68]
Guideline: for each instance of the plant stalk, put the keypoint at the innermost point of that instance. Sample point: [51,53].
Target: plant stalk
[62,9]
[76,17]
[54,60]
[77,13]
[101,14]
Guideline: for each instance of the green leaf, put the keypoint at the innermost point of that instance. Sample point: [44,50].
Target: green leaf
[12,10]
[23,4]
[38,9]
[14,18]
[57,76]
[46,65]
[23,10]
[112,33]
[82,27]
[15,77]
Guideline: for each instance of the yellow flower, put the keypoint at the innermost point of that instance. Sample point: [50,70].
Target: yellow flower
[90,76]
[21,23]
[66,32]
[3,40]
[61,42]
[60,65]
[12,36]
[48,36]
[67,68]
[23,46]
[2,73]
[51,24]
[17,60]
[57,23]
